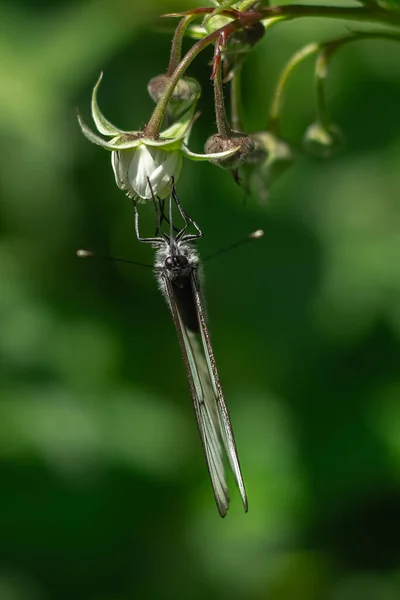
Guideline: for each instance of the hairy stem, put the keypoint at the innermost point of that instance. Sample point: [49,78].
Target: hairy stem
[362,14]
[325,54]
[236,98]
[176,48]
[153,127]
[296,59]
[320,76]
[219,104]
[296,11]
[325,51]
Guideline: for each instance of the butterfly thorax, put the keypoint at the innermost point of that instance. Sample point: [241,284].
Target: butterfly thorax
[175,267]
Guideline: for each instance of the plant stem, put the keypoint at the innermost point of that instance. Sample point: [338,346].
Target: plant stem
[296,11]
[236,98]
[324,56]
[153,127]
[331,46]
[176,48]
[219,104]
[325,51]
[321,71]
[296,59]
[362,14]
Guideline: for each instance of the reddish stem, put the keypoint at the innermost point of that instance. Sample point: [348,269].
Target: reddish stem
[219,44]
[228,12]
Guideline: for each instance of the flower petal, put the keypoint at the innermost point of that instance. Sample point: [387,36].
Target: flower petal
[120,162]
[160,179]
[157,165]
[141,167]
[116,168]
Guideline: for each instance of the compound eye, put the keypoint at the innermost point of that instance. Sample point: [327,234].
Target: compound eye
[181,260]
[169,262]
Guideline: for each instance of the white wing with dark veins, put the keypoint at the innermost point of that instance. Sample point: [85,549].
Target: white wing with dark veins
[210,409]
[205,411]
[217,395]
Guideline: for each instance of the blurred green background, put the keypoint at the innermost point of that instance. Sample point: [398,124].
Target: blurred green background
[104,491]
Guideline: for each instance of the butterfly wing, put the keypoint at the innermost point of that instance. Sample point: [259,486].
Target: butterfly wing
[203,403]
[209,405]
[217,397]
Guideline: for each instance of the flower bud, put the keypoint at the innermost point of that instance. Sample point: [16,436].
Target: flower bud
[270,158]
[240,42]
[186,93]
[219,143]
[323,141]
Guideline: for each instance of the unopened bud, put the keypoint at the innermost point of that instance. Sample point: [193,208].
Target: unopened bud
[323,141]
[270,158]
[219,143]
[186,93]
[240,42]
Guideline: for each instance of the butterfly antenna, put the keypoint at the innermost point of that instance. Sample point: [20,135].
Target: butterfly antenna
[254,235]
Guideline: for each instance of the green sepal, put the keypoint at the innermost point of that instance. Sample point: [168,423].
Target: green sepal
[115,144]
[201,157]
[102,124]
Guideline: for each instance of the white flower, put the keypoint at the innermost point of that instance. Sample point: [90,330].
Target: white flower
[137,159]
[144,166]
